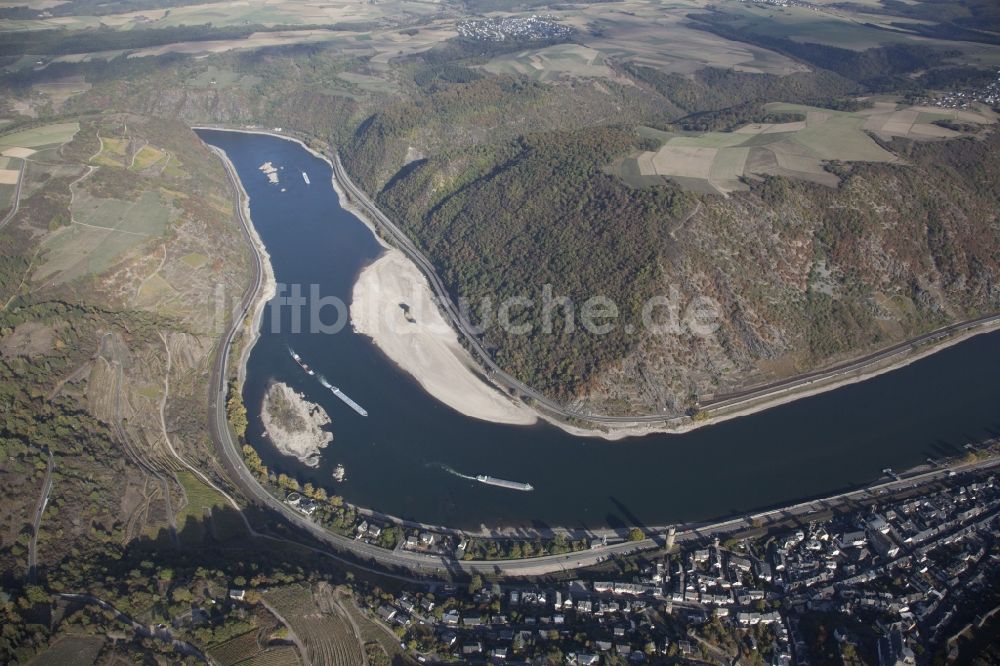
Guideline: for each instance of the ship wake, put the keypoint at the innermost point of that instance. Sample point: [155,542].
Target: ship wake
[452,471]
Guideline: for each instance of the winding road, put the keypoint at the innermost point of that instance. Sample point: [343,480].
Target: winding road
[36,521]
[716,404]
[17,196]
[437,565]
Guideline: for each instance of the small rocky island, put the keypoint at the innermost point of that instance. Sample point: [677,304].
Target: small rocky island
[270,171]
[295,425]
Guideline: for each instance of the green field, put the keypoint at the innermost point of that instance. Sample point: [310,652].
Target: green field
[718,161]
[37,137]
[200,498]
[147,157]
[6,197]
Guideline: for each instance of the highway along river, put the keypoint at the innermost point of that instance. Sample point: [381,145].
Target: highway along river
[401,458]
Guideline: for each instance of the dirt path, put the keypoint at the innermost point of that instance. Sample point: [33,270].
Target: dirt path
[76,374]
[291,632]
[113,358]
[354,625]
[24,278]
[149,277]
[173,452]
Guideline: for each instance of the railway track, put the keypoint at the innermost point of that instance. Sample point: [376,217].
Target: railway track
[364,554]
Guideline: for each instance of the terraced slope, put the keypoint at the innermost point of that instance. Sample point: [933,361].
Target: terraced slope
[325,635]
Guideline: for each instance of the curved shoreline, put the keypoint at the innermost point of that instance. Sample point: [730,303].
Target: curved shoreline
[531,566]
[611,427]
[420,342]
[250,331]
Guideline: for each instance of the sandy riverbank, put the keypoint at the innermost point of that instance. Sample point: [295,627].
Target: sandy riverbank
[392,305]
[429,350]
[266,286]
[295,425]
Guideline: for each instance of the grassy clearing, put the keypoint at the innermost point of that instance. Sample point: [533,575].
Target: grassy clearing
[37,137]
[113,152]
[153,291]
[653,133]
[151,392]
[147,157]
[195,260]
[206,504]
[219,77]
[174,168]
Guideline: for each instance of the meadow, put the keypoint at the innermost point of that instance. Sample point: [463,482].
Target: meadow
[718,162]
[36,138]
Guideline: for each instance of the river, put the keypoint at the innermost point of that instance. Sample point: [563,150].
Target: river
[408,457]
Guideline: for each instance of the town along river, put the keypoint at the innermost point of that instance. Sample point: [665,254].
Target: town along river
[398,459]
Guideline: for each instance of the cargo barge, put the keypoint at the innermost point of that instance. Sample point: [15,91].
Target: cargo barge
[503,483]
[333,389]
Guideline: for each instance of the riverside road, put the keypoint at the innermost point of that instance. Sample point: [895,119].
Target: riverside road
[433,565]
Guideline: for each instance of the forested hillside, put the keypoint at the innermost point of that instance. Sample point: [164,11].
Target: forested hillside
[510,183]
[806,274]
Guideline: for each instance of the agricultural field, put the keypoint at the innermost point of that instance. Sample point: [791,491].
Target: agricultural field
[806,25]
[717,162]
[283,655]
[101,231]
[16,144]
[281,12]
[10,173]
[250,649]
[660,36]
[552,62]
[327,635]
